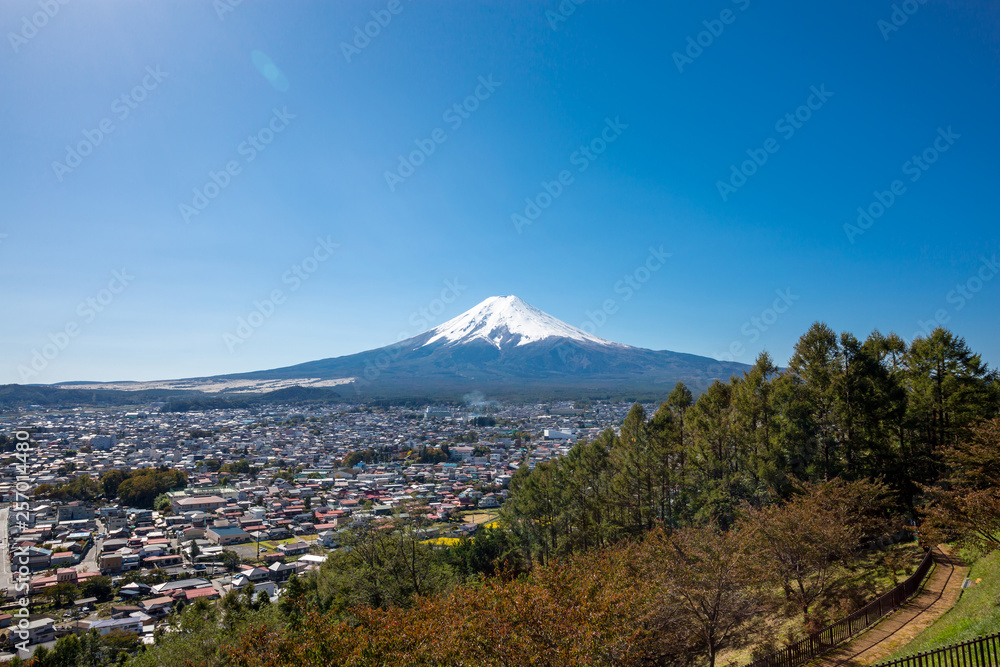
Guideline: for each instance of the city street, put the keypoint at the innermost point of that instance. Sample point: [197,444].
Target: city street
[90,561]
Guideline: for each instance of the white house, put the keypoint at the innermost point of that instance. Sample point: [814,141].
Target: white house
[130,624]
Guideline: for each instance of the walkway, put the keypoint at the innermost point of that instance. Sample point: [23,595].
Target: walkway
[939,594]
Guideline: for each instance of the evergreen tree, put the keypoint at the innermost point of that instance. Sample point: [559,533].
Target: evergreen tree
[950,388]
[633,484]
[195,551]
[667,457]
[814,365]
[754,426]
[716,459]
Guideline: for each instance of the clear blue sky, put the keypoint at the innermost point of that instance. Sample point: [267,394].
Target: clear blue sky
[198,81]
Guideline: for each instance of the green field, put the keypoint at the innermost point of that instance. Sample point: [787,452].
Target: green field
[272,545]
[482,517]
[975,614]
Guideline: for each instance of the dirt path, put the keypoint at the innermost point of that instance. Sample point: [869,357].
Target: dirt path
[939,594]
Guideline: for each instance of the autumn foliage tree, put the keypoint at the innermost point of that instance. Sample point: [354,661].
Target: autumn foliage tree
[590,610]
[966,505]
[672,598]
[713,581]
[806,542]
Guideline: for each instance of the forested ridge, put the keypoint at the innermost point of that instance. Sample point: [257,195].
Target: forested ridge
[738,521]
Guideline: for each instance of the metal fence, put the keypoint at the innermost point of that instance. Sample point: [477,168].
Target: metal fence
[820,642]
[973,653]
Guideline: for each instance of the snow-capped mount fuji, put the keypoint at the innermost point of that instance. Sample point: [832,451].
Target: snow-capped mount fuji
[507,320]
[505,346]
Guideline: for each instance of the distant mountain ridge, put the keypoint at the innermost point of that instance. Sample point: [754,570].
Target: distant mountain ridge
[504,344]
[503,348]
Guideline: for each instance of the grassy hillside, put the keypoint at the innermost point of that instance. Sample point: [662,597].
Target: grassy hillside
[976,613]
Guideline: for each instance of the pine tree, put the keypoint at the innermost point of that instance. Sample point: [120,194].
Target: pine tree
[950,389]
[754,426]
[633,487]
[715,456]
[815,365]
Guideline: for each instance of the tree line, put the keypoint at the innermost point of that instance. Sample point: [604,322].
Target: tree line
[842,409]
[134,488]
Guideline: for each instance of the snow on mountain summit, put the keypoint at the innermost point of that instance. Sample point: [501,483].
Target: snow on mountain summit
[501,320]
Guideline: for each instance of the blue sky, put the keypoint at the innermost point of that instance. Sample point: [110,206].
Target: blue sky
[112,261]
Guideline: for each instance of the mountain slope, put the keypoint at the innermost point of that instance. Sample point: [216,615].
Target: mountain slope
[504,344]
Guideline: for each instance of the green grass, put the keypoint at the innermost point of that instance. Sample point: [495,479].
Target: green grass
[975,614]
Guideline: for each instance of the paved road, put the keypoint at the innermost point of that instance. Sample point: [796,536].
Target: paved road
[89,562]
[939,594]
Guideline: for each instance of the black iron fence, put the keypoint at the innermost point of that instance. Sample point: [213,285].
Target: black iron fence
[820,642]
